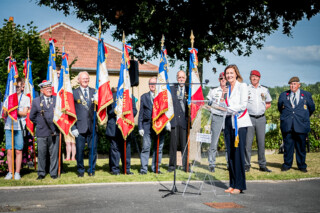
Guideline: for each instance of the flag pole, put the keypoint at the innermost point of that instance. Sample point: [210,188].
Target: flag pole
[125,141]
[158,139]
[12,152]
[33,141]
[189,117]
[12,137]
[94,117]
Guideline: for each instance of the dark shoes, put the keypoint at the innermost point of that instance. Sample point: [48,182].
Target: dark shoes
[115,173]
[264,169]
[80,175]
[170,169]
[247,168]
[91,174]
[304,170]
[54,177]
[211,169]
[130,173]
[284,169]
[143,173]
[40,177]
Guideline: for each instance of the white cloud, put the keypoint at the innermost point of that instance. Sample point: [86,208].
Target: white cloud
[297,54]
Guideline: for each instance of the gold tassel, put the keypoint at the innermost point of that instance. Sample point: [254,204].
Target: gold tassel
[236,142]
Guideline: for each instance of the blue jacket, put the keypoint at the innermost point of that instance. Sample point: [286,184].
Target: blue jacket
[180,118]
[84,114]
[111,130]
[43,121]
[295,118]
[145,113]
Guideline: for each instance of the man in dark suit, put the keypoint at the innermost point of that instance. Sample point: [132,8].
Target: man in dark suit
[47,133]
[114,134]
[146,131]
[83,128]
[295,107]
[179,123]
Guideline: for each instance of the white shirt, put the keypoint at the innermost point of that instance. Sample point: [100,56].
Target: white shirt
[214,95]
[257,99]
[237,102]
[82,90]
[297,98]
[23,103]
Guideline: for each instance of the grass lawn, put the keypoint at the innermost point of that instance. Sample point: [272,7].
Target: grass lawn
[103,176]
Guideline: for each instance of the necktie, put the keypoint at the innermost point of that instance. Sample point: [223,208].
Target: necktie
[48,102]
[181,95]
[294,100]
[86,95]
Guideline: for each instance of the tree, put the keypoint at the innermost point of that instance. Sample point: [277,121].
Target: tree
[18,38]
[224,25]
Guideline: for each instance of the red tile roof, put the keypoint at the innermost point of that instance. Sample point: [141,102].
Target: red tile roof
[84,47]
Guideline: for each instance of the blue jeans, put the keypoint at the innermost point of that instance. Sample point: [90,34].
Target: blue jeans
[145,152]
[18,139]
[80,144]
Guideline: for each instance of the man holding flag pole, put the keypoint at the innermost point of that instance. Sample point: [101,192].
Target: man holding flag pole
[162,112]
[15,109]
[121,118]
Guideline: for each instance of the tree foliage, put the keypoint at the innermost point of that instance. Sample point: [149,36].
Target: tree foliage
[18,38]
[234,26]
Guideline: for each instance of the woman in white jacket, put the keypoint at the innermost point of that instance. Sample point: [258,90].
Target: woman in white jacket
[236,123]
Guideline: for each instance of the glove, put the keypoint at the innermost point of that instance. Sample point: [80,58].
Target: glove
[168,127]
[141,132]
[75,132]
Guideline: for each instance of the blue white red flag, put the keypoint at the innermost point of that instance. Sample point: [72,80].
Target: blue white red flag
[162,111]
[51,71]
[28,91]
[103,96]
[10,101]
[123,105]
[64,112]
[195,89]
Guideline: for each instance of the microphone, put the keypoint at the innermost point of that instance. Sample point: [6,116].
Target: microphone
[227,85]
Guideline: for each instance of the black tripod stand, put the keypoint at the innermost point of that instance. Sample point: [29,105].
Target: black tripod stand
[174,189]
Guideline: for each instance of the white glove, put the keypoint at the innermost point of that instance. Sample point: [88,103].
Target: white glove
[168,127]
[75,132]
[141,132]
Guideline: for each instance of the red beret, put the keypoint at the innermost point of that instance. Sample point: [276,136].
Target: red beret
[221,75]
[255,72]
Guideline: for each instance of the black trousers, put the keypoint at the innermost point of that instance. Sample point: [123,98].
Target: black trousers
[178,137]
[293,140]
[236,157]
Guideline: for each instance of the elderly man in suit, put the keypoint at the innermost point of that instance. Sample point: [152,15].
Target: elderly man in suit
[295,107]
[47,133]
[83,128]
[179,123]
[146,131]
[114,134]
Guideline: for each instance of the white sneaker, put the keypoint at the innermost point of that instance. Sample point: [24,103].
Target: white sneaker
[17,176]
[8,176]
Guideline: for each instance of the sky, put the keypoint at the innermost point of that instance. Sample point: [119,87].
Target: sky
[281,58]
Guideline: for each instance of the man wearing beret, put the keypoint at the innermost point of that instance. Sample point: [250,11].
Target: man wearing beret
[295,107]
[47,133]
[259,100]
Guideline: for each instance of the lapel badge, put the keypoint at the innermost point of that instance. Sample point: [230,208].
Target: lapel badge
[305,107]
[78,101]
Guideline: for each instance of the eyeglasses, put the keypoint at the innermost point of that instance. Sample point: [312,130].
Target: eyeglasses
[221,79]
[18,87]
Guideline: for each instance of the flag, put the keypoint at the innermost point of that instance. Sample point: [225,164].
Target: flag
[103,97]
[195,89]
[123,105]
[28,91]
[64,112]
[10,101]
[51,71]
[162,111]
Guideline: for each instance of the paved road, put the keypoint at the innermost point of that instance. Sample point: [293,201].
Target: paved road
[282,196]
